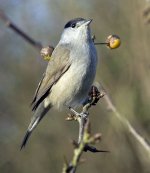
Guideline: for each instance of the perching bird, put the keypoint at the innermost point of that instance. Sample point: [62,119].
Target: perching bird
[69,74]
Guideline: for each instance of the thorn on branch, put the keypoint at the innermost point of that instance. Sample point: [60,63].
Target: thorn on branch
[93,149]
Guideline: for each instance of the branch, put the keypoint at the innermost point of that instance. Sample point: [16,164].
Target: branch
[127,124]
[18,31]
[112,41]
[146,14]
[85,138]
[80,148]
[92,100]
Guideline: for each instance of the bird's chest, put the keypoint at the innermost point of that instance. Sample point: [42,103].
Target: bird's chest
[82,70]
[74,85]
[84,64]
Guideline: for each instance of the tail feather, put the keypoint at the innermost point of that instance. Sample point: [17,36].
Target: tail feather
[37,117]
[25,139]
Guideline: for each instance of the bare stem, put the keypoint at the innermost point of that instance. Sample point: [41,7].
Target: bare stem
[84,138]
[80,148]
[82,117]
[25,36]
[127,124]
[18,31]
[82,121]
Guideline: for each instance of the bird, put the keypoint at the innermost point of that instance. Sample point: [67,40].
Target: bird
[69,74]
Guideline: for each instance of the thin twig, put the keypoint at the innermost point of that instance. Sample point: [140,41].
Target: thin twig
[127,124]
[82,121]
[25,36]
[146,14]
[100,43]
[93,98]
[81,118]
[17,30]
[84,137]
[79,148]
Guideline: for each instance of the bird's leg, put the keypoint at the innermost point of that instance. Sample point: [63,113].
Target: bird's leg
[74,112]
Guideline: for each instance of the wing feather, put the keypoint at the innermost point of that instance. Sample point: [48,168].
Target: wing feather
[57,66]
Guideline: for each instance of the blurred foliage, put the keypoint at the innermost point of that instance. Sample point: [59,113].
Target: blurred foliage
[124,72]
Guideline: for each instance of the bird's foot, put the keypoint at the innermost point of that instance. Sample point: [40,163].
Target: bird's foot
[76,115]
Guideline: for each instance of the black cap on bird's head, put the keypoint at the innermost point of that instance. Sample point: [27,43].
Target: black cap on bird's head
[77,22]
[73,22]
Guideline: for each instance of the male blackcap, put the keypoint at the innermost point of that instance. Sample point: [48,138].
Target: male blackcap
[69,74]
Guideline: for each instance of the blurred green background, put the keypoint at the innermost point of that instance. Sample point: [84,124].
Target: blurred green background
[124,72]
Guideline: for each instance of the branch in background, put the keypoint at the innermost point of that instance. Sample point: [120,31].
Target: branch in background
[112,41]
[146,14]
[18,31]
[127,124]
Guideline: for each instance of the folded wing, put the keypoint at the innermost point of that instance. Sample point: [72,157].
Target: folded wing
[57,66]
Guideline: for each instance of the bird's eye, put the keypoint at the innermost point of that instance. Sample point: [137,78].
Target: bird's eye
[73,25]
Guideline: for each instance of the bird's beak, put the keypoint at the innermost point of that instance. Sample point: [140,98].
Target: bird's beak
[87,22]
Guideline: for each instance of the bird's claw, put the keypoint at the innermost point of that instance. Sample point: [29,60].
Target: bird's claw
[75,115]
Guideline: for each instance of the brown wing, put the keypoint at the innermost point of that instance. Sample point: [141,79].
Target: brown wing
[39,85]
[57,66]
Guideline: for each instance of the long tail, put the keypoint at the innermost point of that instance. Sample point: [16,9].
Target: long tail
[37,117]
